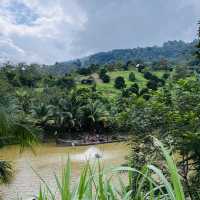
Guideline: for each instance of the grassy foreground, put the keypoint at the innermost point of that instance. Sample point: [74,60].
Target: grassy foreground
[96,185]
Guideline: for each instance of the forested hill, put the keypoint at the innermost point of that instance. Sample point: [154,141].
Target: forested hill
[176,51]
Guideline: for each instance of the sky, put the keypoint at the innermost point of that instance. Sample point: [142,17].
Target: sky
[49,31]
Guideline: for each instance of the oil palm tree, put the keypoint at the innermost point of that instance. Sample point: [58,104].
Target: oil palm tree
[23,100]
[62,117]
[93,113]
[41,113]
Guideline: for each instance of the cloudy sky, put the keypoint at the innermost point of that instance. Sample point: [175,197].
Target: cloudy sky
[46,31]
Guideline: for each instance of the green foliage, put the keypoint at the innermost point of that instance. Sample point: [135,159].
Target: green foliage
[144,91]
[120,82]
[148,75]
[93,114]
[66,82]
[152,84]
[14,130]
[161,64]
[182,72]
[132,77]
[102,72]
[103,76]
[133,89]
[166,76]
[171,114]
[176,51]
[84,71]
[106,78]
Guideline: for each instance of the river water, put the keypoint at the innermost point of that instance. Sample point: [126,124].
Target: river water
[49,159]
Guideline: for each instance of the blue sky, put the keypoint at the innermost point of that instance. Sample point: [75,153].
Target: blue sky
[22,14]
[46,31]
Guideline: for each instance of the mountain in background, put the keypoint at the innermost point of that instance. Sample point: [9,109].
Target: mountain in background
[178,52]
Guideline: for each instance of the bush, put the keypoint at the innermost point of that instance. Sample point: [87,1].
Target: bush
[103,76]
[84,71]
[132,77]
[126,93]
[102,73]
[66,82]
[155,78]
[120,82]
[125,67]
[166,76]
[152,84]
[161,82]
[144,91]
[106,78]
[146,97]
[148,75]
[134,88]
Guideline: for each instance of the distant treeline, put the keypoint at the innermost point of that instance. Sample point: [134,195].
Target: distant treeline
[178,52]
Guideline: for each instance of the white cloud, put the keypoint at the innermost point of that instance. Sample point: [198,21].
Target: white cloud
[51,33]
[8,50]
[47,31]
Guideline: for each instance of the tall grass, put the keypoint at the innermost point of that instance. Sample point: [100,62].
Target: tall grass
[95,184]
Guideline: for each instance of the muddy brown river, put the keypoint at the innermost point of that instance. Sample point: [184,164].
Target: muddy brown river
[49,159]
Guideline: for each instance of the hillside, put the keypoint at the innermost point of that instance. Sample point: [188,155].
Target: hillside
[174,51]
[108,89]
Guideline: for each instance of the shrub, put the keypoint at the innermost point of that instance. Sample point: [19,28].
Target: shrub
[106,78]
[155,78]
[134,88]
[166,76]
[126,92]
[146,97]
[120,82]
[102,73]
[148,75]
[66,82]
[161,82]
[125,67]
[144,91]
[84,71]
[132,77]
[152,84]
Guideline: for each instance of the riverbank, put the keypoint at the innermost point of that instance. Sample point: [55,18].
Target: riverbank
[91,140]
[85,140]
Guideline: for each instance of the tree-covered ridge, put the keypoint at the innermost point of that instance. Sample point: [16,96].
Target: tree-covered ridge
[174,51]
